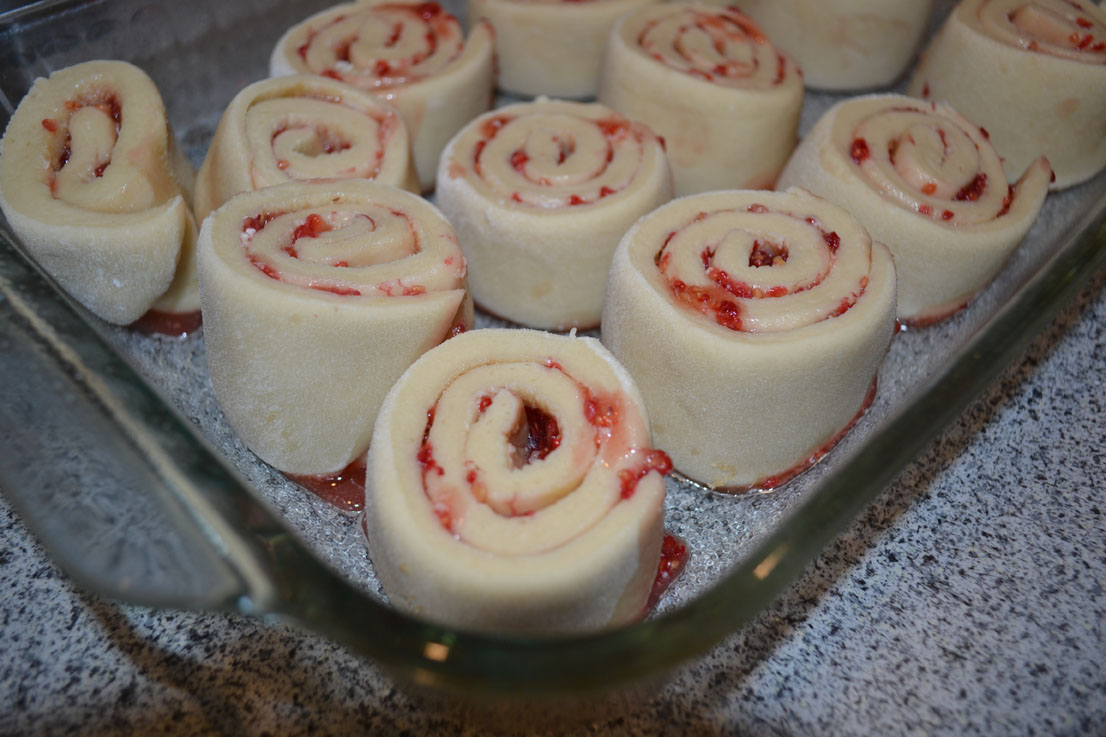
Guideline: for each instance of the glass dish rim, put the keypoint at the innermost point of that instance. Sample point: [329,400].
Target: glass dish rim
[430,654]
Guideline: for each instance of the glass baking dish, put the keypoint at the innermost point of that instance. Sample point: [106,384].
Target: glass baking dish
[118,457]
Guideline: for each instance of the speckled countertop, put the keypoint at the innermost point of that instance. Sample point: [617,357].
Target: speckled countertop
[969,599]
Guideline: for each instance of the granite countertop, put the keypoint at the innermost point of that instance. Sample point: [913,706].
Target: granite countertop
[968,599]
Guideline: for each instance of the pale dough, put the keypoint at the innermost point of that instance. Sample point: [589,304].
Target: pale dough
[540,194]
[468,528]
[316,297]
[753,323]
[713,86]
[928,183]
[302,128]
[1032,73]
[93,184]
[414,55]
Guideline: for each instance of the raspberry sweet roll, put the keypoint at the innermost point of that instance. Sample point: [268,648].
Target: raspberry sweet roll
[540,193]
[316,298]
[512,485]
[929,184]
[412,54]
[754,323]
[710,83]
[551,47]
[844,44]
[91,181]
[1033,73]
[303,128]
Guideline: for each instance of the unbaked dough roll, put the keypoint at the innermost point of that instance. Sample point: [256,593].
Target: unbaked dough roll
[90,180]
[754,323]
[1033,73]
[303,128]
[316,297]
[929,184]
[540,194]
[709,82]
[844,44]
[512,485]
[413,54]
[551,47]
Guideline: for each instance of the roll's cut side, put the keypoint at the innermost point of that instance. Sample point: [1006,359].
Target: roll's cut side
[1033,73]
[927,182]
[303,128]
[540,194]
[711,84]
[513,486]
[754,324]
[316,298]
[91,182]
[412,54]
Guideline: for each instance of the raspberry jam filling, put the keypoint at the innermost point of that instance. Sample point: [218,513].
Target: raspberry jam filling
[720,298]
[1060,29]
[432,35]
[535,436]
[104,102]
[920,155]
[540,173]
[724,58]
[313,226]
[324,141]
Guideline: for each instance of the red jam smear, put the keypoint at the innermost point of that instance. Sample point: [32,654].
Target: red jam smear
[716,301]
[105,102]
[312,227]
[173,324]
[973,190]
[652,460]
[859,150]
[540,436]
[344,490]
[673,560]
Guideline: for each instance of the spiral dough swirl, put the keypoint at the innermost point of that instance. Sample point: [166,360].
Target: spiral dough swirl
[708,81]
[316,298]
[555,154]
[414,55]
[380,46]
[302,128]
[506,456]
[540,193]
[754,323]
[92,181]
[720,45]
[761,269]
[1060,28]
[1033,73]
[928,183]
